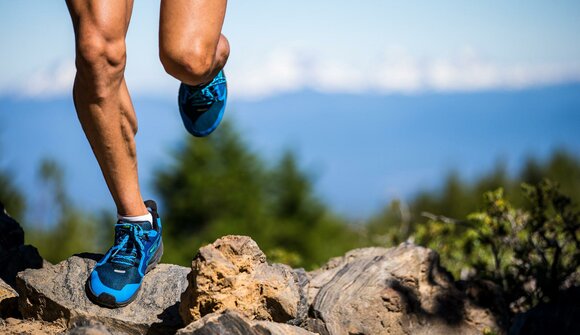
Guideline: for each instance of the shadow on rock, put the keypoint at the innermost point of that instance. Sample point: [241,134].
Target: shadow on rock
[170,321]
[448,305]
[488,296]
[402,290]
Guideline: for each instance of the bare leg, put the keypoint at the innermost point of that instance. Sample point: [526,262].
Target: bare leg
[191,46]
[101,97]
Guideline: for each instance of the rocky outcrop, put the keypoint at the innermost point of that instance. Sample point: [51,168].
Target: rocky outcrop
[232,273]
[232,322]
[399,290]
[14,255]
[57,292]
[232,289]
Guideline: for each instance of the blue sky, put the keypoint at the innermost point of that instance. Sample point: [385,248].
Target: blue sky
[431,86]
[329,46]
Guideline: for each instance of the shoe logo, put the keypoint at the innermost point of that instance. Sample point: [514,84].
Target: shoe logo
[154,246]
[119,271]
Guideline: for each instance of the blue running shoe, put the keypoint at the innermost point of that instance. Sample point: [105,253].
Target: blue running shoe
[202,107]
[117,277]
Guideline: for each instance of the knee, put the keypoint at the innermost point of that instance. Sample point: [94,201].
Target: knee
[194,62]
[100,60]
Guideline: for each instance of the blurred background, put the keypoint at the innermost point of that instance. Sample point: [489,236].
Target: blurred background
[349,124]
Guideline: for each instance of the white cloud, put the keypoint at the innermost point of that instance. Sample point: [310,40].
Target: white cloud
[396,71]
[280,71]
[288,70]
[51,81]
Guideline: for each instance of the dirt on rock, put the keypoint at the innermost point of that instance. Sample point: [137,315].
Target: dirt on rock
[12,326]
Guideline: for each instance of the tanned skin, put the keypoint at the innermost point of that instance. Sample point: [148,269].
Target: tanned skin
[191,49]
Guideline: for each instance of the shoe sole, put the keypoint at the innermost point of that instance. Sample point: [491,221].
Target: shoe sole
[107,300]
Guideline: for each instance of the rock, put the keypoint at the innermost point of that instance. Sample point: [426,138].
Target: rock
[234,323]
[57,292]
[273,328]
[8,300]
[561,316]
[400,290]
[19,259]
[303,280]
[14,255]
[489,296]
[89,329]
[232,273]
[12,234]
[12,326]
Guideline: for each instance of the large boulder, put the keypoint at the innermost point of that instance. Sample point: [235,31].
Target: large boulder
[57,292]
[234,323]
[14,255]
[12,234]
[400,290]
[232,273]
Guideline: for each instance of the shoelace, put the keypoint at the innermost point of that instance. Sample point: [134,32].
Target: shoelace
[203,97]
[126,253]
[207,95]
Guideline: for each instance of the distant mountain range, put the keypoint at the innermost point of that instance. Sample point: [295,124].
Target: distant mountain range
[362,150]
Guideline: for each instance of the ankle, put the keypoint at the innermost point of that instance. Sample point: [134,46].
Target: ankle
[132,208]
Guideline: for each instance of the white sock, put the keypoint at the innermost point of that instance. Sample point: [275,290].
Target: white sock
[147,217]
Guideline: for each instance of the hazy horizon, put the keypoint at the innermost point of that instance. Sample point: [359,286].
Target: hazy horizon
[361,150]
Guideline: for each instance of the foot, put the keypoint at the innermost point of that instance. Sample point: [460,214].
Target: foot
[202,107]
[117,277]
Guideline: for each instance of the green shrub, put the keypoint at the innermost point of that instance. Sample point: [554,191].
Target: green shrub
[530,253]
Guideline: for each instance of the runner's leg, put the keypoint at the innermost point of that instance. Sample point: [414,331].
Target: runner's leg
[101,97]
[191,46]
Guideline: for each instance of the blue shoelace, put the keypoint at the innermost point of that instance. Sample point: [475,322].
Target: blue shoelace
[208,94]
[128,244]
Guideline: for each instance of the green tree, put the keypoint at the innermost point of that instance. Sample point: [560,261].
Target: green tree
[212,188]
[302,222]
[217,186]
[530,253]
[72,230]
[457,197]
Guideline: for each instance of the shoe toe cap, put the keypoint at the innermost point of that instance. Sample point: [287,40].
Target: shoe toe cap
[108,295]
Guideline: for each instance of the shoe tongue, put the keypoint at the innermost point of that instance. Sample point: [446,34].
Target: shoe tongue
[146,225]
[129,247]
